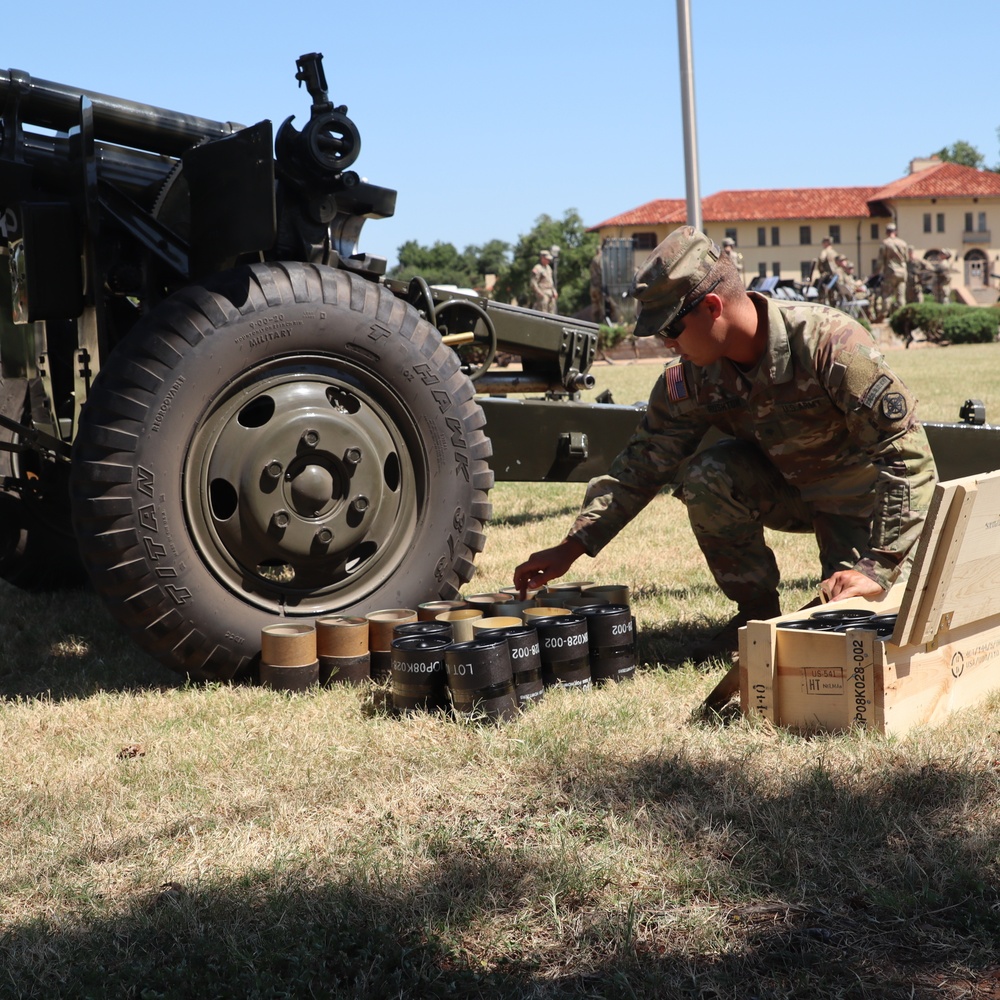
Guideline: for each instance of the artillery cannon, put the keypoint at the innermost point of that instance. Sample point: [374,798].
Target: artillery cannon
[221,411]
[217,407]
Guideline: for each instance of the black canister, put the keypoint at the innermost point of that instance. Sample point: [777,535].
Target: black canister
[882,625]
[480,678]
[611,637]
[354,670]
[417,679]
[564,647]
[525,660]
[440,629]
[842,616]
[809,625]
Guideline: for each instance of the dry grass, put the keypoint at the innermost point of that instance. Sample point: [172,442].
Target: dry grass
[166,840]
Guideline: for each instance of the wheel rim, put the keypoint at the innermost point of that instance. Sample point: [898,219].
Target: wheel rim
[303,484]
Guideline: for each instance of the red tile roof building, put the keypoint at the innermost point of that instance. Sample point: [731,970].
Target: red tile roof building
[937,206]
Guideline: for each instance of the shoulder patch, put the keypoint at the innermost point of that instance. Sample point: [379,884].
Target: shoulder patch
[894,406]
[677,387]
[870,398]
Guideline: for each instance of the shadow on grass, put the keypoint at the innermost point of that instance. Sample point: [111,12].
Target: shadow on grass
[818,887]
[532,517]
[670,645]
[64,644]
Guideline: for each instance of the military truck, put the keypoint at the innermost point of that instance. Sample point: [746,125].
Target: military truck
[218,409]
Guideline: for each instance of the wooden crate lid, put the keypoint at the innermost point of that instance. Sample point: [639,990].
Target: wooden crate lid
[956,571]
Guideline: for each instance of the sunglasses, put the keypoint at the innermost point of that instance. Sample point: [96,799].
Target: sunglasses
[672,330]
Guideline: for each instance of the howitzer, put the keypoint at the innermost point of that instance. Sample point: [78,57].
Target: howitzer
[219,408]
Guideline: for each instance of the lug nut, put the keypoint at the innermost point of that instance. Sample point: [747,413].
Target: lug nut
[352,456]
[280,518]
[310,438]
[359,504]
[324,536]
[273,470]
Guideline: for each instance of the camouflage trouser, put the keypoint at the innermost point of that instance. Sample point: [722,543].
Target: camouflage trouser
[732,493]
[893,291]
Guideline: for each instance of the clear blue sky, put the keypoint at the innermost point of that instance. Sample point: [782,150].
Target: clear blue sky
[486,116]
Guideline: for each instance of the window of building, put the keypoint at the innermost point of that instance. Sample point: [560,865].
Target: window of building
[762,269]
[981,222]
[940,222]
[775,236]
[805,269]
[805,235]
[776,269]
[835,234]
[644,241]
[874,230]
[968,222]
[761,236]
[927,222]
[731,235]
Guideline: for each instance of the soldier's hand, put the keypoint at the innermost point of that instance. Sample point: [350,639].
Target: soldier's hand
[548,564]
[849,583]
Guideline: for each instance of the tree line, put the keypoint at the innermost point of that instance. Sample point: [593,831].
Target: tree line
[444,264]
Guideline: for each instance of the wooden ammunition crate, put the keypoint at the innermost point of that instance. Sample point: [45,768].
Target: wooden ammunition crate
[943,655]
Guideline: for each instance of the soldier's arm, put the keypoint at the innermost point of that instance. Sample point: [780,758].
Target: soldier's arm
[667,434]
[881,419]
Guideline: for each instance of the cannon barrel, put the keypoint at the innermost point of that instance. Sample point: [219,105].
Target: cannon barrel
[132,170]
[127,123]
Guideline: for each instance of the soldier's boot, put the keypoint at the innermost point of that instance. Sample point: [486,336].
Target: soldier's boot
[725,641]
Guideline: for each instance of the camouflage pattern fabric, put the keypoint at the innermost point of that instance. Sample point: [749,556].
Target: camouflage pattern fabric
[828,442]
[893,257]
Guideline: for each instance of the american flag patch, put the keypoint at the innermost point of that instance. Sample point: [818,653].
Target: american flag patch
[677,389]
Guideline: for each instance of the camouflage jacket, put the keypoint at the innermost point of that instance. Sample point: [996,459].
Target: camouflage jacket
[822,405]
[893,256]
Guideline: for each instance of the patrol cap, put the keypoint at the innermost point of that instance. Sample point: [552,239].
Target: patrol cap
[890,227]
[729,242]
[827,239]
[672,271]
[545,253]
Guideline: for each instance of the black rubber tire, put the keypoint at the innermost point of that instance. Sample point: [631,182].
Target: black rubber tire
[173,478]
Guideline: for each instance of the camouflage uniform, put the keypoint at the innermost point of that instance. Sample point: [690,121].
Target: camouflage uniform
[893,257]
[543,287]
[827,268]
[824,439]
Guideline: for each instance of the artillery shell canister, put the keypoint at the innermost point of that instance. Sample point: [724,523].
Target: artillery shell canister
[532,614]
[354,670]
[381,624]
[342,636]
[441,630]
[511,608]
[616,593]
[285,678]
[288,644]
[611,637]
[564,649]
[417,679]
[525,661]
[461,622]
[480,679]
[494,621]
[429,610]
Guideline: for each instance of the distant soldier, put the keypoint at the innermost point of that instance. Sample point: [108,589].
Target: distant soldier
[543,285]
[941,276]
[826,266]
[729,249]
[894,255]
[918,277]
